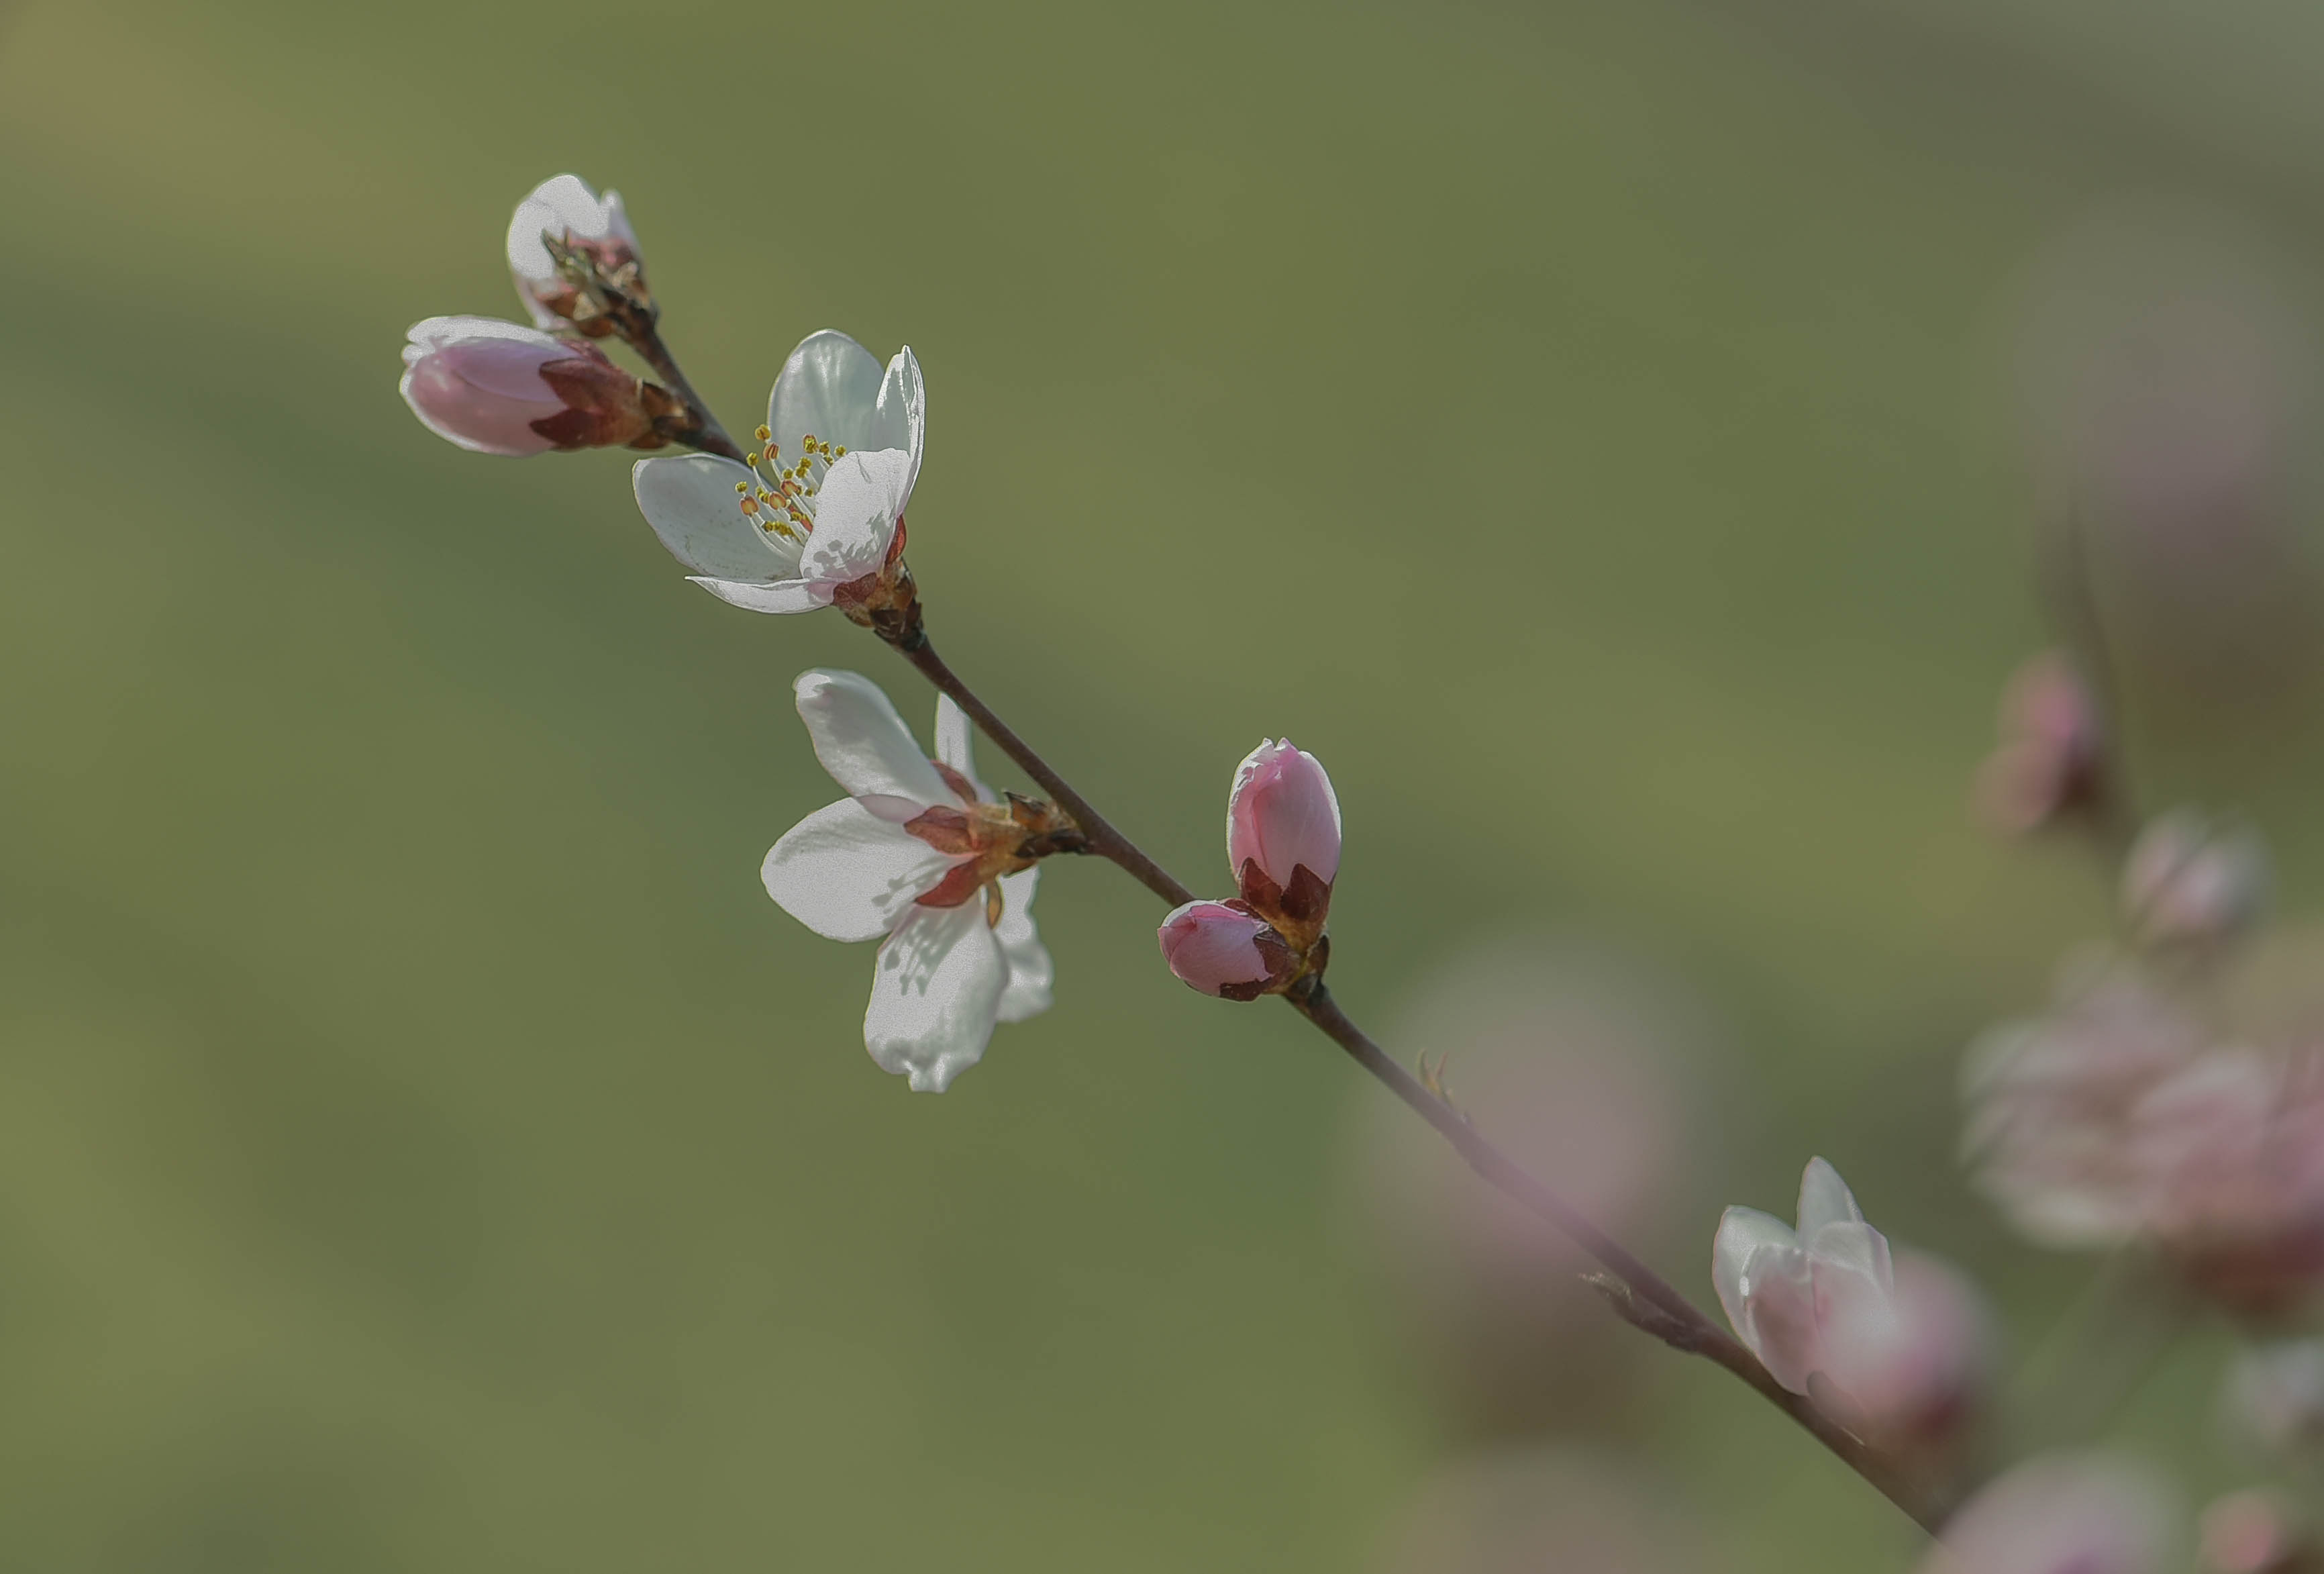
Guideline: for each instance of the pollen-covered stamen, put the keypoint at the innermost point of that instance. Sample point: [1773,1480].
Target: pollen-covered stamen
[780,498]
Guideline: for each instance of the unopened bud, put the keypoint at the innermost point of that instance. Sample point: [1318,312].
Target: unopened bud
[2253,1532]
[1221,948]
[496,387]
[597,229]
[2052,756]
[1283,837]
[2188,881]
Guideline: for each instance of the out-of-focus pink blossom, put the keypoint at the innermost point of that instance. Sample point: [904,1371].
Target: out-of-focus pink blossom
[2052,757]
[1540,1511]
[2253,1533]
[496,387]
[2189,883]
[2274,1394]
[1912,1369]
[1220,948]
[2109,1122]
[1570,1060]
[2231,1150]
[2059,1514]
[1283,816]
[2049,1102]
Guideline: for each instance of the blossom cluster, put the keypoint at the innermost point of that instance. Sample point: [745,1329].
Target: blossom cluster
[2134,1116]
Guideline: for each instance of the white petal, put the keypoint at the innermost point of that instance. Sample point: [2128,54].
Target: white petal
[829,388]
[1852,1246]
[557,205]
[849,875]
[1780,1315]
[758,596]
[434,333]
[692,504]
[953,731]
[1031,974]
[1741,1232]
[855,510]
[935,995]
[1825,1199]
[864,744]
[903,415]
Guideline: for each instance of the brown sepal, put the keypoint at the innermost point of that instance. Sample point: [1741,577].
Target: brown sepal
[953,779]
[1307,899]
[947,830]
[957,886]
[1264,895]
[1282,967]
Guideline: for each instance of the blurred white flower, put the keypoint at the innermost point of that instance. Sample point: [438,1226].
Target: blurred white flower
[1902,1344]
[2059,1514]
[920,858]
[792,534]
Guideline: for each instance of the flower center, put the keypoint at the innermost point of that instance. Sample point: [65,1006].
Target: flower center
[780,498]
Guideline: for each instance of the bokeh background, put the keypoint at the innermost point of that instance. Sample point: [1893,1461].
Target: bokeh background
[1615,436]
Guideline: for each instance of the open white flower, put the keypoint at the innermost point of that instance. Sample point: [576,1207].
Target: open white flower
[921,858]
[821,504]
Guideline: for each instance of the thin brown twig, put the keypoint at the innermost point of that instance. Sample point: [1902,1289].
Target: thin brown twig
[1645,1298]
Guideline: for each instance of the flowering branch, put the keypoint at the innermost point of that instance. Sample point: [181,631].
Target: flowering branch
[1641,1296]
[922,857]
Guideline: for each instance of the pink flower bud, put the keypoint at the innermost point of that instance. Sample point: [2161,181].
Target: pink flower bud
[2253,1533]
[496,387]
[1221,949]
[2058,1514]
[1282,818]
[2052,757]
[2189,883]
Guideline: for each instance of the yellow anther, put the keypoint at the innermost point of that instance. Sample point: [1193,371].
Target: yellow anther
[806,440]
[763,434]
[840,452]
[742,486]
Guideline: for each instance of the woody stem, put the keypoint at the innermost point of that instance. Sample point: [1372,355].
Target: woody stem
[709,436]
[1645,1299]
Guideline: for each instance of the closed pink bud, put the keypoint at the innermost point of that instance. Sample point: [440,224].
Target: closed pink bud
[496,387]
[1282,817]
[2253,1532]
[2052,759]
[1219,949]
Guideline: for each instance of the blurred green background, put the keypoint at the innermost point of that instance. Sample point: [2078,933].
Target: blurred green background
[1592,428]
